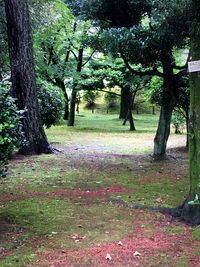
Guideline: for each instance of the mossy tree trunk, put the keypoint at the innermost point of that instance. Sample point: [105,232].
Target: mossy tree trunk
[23,76]
[169,99]
[191,207]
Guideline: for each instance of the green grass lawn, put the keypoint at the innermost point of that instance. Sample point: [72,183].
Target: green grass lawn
[56,210]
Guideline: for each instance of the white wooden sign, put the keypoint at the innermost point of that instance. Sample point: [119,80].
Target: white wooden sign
[194,66]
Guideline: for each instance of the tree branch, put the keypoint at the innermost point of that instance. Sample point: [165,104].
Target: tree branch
[88,58]
[152,72]
[74,54]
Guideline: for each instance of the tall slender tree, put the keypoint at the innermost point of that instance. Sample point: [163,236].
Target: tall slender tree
[23,76]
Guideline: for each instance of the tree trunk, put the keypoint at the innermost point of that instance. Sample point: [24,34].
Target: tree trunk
[60,83]
[153,110]
[71,118]
[23,76]
[132,124]
[169,99]
[124,102]
[74,91]
[187,128]
[191,207]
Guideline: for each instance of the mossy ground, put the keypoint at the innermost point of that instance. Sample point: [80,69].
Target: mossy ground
[56,210]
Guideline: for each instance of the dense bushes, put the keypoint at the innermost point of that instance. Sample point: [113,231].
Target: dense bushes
[10,128]
[51,103]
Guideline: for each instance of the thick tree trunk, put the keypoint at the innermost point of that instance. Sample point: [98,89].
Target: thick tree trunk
[71,118]
[124,102]
[169,99]
[23,76]
[191,207]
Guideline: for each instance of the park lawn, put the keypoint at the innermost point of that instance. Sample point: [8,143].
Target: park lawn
[76,208]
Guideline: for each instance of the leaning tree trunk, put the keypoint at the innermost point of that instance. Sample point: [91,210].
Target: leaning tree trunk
[191,207]
[124,102]
[23,76]
[168,103]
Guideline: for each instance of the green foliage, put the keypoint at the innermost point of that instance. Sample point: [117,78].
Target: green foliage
[110,99]
[178,121]
[51,103]
[154,92]
[89,97]
[10,127]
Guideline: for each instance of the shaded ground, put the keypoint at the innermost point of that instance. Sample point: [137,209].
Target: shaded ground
[58,210]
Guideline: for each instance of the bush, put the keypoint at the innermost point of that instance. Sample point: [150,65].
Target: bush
[10,127]
[51,104]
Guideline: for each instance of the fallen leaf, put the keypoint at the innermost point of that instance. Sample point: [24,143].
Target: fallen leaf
[77,237]
[120,243]
[136,254]
[54,233]
[108,257]
[158,199]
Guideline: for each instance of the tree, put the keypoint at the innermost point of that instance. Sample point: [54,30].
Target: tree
[190,210]
[52,45]
[23,76]
[145,39]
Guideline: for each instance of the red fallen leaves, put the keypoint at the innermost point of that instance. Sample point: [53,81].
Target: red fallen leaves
[135,250]
[5,253]
[66,193]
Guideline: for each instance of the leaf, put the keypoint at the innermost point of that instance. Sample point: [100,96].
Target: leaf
[108,257]
[136,254]
[120,243]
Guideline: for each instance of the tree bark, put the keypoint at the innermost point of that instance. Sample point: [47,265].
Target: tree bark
[169,99]
[23,76]
[190,210]
[124,102]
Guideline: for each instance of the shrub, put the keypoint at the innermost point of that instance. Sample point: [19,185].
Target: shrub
[51,104]
[10,127]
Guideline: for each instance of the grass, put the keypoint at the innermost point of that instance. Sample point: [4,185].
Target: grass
[56,207]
